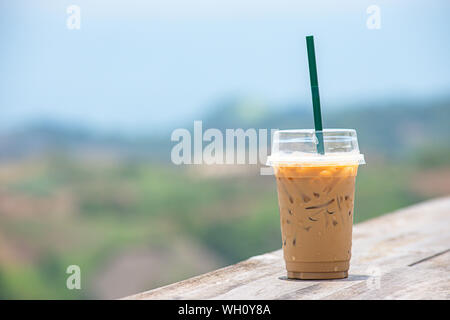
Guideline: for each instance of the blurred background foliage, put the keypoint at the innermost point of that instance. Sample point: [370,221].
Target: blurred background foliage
[134,221]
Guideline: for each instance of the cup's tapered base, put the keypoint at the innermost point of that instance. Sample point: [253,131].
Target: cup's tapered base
[317,275]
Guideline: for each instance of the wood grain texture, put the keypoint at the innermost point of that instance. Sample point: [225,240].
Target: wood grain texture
[402,255]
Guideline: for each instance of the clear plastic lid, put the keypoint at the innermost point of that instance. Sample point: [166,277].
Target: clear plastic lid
[299,147]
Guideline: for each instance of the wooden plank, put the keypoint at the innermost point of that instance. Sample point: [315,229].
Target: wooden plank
[402,255]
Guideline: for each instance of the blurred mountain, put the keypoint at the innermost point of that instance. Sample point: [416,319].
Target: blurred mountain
[46,137]
[386,130]
[392,129]
[398,128]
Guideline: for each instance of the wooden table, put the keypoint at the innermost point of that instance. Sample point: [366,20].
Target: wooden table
[402,255]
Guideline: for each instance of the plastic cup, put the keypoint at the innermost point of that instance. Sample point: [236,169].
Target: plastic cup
[316,200]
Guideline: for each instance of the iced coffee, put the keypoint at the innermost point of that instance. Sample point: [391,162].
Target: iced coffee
[316,200]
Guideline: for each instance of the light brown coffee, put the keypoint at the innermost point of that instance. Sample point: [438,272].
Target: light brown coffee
[316,213]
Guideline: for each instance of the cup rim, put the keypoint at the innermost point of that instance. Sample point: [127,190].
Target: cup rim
[327,130]
[309,136]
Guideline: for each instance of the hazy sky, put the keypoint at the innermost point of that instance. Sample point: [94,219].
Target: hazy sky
[139,65]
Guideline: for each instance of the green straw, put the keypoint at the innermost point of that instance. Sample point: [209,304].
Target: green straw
[315,93]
